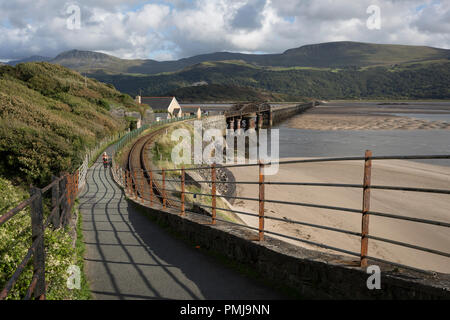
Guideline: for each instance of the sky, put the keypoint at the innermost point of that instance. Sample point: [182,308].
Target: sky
[174,29]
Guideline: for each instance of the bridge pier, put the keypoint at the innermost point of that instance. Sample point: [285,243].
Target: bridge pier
[231,124]
[251,121]
[260,120]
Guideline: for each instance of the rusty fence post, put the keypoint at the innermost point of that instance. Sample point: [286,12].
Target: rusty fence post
[261,201]
[183,211]
[129,186]
[151,187]
[55,203]
[77,181]
[135,185]
[213,192]
[366,208]
[37,235]
[141,185]
[127,182]
[164,188]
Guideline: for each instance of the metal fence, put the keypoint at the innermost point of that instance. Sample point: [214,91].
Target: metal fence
[63,194]
[140,184]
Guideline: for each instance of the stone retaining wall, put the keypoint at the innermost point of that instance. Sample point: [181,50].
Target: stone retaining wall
[312,274]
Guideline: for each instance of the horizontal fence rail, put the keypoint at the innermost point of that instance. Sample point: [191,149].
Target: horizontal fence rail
[134,187]
[63,193]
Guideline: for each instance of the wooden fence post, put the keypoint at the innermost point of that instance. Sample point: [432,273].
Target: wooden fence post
[261,201]
[183,212]
[213,192]
[55,203]
[63,204]
[37,235]
[366,208]
[69,198]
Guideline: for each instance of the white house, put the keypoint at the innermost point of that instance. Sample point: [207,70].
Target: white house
[164,103]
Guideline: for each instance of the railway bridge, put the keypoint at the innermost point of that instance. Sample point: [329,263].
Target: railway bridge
[256,115]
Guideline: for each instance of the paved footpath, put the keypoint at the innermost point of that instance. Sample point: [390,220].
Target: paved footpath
[129,257]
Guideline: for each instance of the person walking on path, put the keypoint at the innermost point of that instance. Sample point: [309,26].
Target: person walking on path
[105,160]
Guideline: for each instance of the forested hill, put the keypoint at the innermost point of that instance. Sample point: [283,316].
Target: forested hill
[422,80]
[228,93]
[49,115]
[334,70]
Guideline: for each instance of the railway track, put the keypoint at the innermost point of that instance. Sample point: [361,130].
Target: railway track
[137,164]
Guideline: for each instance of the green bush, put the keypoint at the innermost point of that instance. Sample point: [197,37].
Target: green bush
[104,104]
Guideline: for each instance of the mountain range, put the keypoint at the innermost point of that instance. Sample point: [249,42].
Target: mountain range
[324,55]
[328,70]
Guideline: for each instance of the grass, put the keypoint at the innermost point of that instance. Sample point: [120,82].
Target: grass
[84,293]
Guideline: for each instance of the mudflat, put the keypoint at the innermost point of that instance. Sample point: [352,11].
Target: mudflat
[373,116]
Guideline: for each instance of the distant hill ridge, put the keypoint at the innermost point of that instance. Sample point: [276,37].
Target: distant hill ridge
[323,55]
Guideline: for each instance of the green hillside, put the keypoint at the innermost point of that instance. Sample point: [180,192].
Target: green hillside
[334,70]
[422,80]
[49,116]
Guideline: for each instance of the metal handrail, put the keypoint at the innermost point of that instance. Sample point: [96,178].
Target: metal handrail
[365,213]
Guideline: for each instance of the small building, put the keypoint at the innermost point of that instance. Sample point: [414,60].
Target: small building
[164,103]
[138,100]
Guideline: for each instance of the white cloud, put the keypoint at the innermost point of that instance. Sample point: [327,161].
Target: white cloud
[180,28]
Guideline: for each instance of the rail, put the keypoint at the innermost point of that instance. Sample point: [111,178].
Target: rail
[138,184]
[63,193]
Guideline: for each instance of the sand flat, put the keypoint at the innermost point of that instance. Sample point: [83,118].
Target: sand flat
[391,172]
[370,116]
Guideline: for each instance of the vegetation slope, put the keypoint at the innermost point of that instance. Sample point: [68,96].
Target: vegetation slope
[49,116]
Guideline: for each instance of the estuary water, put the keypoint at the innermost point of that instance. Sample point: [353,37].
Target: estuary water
[344,143]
